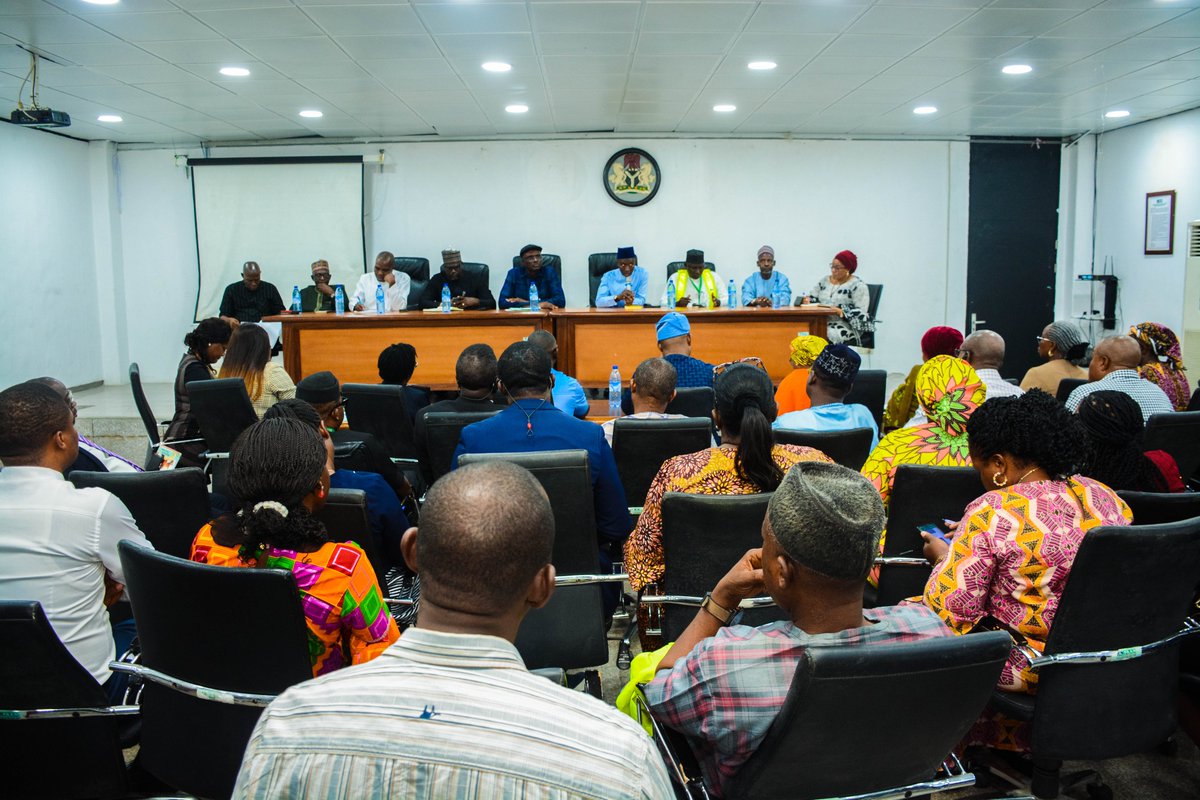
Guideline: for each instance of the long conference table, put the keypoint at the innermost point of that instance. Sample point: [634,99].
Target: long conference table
[590,340]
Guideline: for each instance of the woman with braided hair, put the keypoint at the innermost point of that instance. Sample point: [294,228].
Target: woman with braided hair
[279,478]
[1114,425]
[1063,345]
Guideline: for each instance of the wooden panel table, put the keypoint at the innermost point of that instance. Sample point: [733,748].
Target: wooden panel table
[349,345]
[590,341]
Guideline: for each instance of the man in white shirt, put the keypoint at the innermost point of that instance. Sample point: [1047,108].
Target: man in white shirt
[1114,366]
[652,388]
[58,544]
[395,286]
[449,710]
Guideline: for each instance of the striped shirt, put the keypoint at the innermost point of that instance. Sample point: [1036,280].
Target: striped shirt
[1152,399]
[726,693]
[444,715]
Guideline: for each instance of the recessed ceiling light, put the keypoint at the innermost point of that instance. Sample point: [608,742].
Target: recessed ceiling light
[235,72]
[109,118]
[496,66]
[516,108]
[925,110]
[1117,113]
[1016,69]
[102,2]
[762,65]
[724,108]
[311,113]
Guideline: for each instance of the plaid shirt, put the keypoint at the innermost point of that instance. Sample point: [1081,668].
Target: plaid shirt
[727,692]
[690,371]
[1152,399]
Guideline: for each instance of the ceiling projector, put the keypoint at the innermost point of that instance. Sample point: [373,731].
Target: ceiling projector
[40,118]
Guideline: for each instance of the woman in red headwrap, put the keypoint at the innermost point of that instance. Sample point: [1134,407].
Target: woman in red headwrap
[902,405]
[848,295]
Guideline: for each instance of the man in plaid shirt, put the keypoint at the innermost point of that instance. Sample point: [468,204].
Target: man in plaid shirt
[723,686]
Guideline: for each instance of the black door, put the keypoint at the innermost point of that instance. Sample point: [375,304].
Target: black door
[1011,241]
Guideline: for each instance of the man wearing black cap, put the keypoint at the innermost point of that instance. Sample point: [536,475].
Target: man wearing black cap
[468,290]
[515,292]
[829,381]
[723,686]
[625,285]
[693,283]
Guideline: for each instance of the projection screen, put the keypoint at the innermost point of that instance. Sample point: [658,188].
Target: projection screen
[284,213]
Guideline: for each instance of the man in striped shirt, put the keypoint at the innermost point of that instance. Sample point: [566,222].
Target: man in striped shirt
[723,686]
[450,711]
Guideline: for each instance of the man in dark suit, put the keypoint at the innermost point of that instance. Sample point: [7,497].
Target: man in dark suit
[320,296]
[468,291]
[251,298]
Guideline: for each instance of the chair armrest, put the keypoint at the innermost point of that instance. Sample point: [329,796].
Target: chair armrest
[587,580]
[193,689]
[214,456]
[1190,626]
[552,674]
[689,600]
[13,714]
[635,511]
[405,461]
[399,602]
[902,561]
[673,749]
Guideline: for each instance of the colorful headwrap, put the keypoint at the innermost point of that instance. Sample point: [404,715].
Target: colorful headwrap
[949,390]
[1161,340]
[805,350]
[849,260]
[941,340]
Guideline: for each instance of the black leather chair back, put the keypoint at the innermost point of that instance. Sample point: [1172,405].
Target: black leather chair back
[569,631]
[169,507]
[1153,508]
[692,401]
[847,701]
[345,518]
[1179,434]
[874,291]
[1068,385]
[417,270]
[61,758]
[442,430]
[548,260]
[223,410]
[598,264]
[703,536]
[869,389]
[675,266]
[849,448]
[1128,586]
[921,495]
[149,421]
[354,455]
[378,409]
[186,617]
[642,445]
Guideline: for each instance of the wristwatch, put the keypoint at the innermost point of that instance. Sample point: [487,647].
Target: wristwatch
[722,614]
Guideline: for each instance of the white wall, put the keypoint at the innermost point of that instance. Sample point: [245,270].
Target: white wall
[50,324]
[901,206]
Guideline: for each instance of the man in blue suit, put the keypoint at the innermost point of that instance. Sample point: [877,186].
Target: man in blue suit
[532,423]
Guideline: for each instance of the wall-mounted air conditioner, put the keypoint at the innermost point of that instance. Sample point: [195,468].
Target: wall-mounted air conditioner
[1191,302]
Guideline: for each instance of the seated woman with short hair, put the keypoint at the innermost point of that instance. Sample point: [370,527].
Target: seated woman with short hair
[279,477]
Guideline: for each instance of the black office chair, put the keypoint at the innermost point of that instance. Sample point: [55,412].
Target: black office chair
[207,680]
[1108,677]
[1068,385]
[169,507]
[477,268]
[1179,434]
[223,410]
[866,339]
[847,701]
[1153,508]
[598,264]
[417,270]
[442,430]
[692,401]
[154,434]
[921,495]
[569,631]
[869,389]
[379,409]
[345,518]
[60,735]
[702,537]
[675,266]
[849,448]
[642,445]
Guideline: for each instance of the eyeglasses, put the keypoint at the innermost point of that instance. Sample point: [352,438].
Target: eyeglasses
[962,353]
[1041,338]
[753,361]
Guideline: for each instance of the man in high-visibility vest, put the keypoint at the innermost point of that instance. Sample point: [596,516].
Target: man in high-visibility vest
[692,282]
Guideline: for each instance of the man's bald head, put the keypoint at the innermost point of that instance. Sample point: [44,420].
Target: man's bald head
[1114,353]
[983,350]
[486,532]
[251,275]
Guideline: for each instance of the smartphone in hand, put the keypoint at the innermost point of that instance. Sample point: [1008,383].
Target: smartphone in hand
[934,531]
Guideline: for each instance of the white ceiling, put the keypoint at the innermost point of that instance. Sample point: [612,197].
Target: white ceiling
[393,68]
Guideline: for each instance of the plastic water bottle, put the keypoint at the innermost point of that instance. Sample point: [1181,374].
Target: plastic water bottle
[534,301]
[339,301]
[776,297]
[380,305]
[732,301]
[670,293]
[614,392]
[296,299]
[629,288]
[445,299]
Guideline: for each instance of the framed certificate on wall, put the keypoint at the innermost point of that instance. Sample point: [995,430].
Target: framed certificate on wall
[1160,223]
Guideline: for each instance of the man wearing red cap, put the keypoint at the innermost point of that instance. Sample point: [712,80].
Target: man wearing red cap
[847,294]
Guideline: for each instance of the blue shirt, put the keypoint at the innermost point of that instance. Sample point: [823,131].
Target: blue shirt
[388,520]
[568,395]
[516,284]
[755,286]
[690,371]
[829,417]
[506,432]
[612,283]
